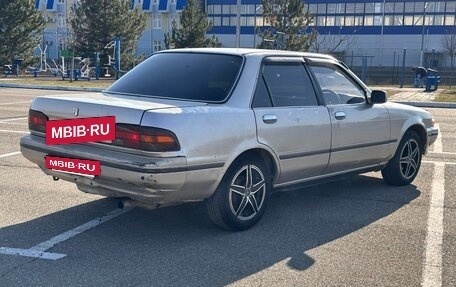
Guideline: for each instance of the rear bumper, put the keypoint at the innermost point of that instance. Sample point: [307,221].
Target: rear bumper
[144,178]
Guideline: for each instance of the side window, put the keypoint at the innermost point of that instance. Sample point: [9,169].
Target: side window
[288,84]
[262,98]
[337,87]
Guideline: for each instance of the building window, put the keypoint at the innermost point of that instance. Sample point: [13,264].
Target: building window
[359,20]
[321,8]
[217,21]
[218,9]
[321,21]
[349,20]
[331,8]
[359,8]
[350,8]
[210,9]
[157,21]
[233,21]
[233,9]
[226,21]
[449,20]
[439,20]
[399,7]
[369,8]
[451,7]
[439,7]
[225,9]
[250,21]
[175,20]
[313,8]
[157,46]
[419,7]
[389,7]
[429,20]
[389,20]
[340,21]
[409,7]
[61,21]
[330,21]
[398,20]
[408,20]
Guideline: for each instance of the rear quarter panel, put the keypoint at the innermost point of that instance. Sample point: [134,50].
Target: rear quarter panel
[208,135]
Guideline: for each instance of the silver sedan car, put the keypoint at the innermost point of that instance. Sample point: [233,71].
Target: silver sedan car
[226,126]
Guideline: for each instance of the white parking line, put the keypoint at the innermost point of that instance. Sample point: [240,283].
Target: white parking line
[438,162]
[14,132]
[15,103]
[438,143]
[432,267]
[13,119]
[39,250]
[10,154]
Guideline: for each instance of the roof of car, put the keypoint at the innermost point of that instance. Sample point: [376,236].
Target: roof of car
[245,52]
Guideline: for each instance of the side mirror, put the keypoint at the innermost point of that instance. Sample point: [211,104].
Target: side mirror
[378,97]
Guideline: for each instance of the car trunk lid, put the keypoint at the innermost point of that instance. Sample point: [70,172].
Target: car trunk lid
[126,109]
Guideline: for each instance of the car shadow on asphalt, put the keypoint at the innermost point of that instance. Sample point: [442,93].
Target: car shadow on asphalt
[178,246]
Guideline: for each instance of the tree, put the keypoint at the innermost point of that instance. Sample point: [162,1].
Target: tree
[192,29]
[449,44]
[21,29]
[334,43]
[287,24]
[95,23]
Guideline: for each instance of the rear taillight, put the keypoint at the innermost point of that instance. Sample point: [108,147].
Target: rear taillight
[37,121]
[145,138]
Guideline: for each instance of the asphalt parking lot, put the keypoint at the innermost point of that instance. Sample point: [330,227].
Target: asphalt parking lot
[353,232]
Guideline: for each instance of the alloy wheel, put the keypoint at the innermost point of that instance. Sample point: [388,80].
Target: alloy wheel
[410,158]
[247,192]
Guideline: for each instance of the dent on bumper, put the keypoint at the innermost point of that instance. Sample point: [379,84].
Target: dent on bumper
[140,177]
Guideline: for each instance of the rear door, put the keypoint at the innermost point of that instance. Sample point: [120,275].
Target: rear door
[290,119]
[360,131]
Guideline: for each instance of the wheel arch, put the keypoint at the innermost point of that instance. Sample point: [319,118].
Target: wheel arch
[268,158]
[421,131]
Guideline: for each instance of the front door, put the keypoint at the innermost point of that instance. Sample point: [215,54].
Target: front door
[360,131]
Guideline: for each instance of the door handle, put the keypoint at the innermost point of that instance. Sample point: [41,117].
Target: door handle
[339,115]
[269,119]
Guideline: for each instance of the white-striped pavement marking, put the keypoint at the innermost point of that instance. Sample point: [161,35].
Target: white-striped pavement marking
[15,103]
[30,253]
[14,132]
[438,162]
[444,153]
[39,250]
[438,143]
[9,154]
[13,119]
[432,267]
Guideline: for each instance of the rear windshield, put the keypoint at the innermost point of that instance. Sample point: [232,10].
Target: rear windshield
[184,76]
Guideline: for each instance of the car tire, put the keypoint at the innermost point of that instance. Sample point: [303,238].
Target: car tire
[240,200]
[404,166]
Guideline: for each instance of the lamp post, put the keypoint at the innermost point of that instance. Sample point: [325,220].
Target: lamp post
[238,23]
[255,25]
[422,35]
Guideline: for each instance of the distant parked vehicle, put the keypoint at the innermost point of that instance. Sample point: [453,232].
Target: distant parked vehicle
[225,126]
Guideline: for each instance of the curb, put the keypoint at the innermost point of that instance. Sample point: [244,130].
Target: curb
[430,104]
[55,88]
